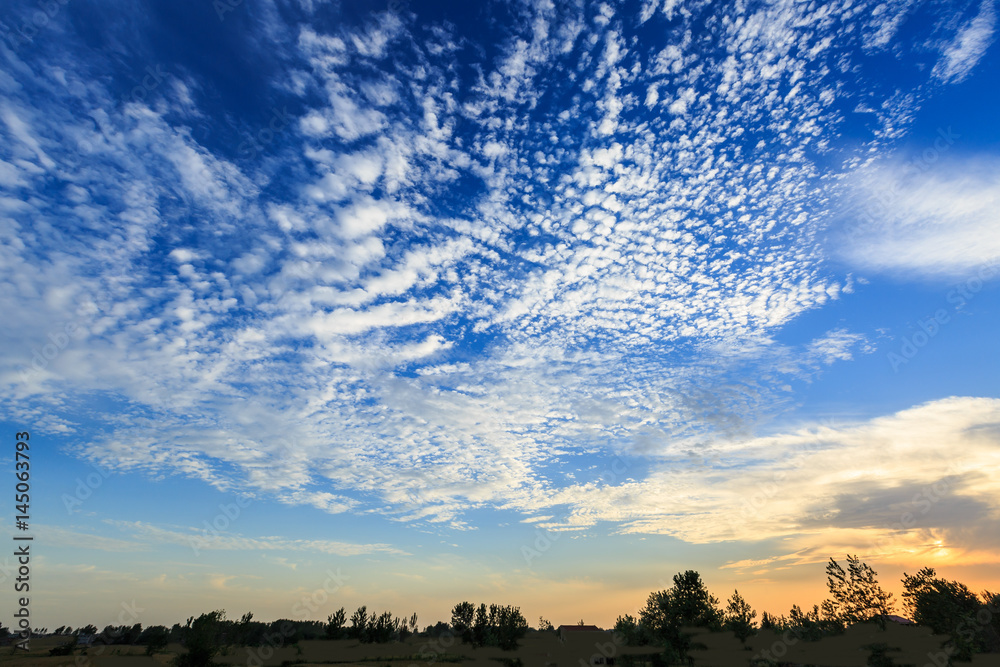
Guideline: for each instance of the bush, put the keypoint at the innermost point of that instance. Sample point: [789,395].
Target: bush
[202,640]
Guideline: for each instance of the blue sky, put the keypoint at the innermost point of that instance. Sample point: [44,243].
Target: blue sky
[536,303]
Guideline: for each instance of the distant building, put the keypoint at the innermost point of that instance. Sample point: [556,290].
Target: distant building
[580,632]
[563,629]
[899,619]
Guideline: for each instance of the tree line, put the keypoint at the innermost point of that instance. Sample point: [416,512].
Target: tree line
[972,622]
[947,607]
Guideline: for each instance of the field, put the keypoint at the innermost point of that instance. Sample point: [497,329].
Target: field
[908,645]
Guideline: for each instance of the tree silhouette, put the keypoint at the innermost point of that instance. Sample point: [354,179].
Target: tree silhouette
[914,587]
[806,624]
[631,631]
[359,623]
[461,620]
[335,624]
[155,637]
[508,624]
[856,594]
[739,617]
[201,638]
[949,607]
[687,603]
[495,625]
[768,621]
[480,626]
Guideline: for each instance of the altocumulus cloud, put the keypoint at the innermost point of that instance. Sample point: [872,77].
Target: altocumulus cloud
[576,242]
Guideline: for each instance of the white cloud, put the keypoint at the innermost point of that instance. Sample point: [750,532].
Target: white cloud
[938,220]
[202,540]
[883,488]
[367,216]
[961,56]
[436,274]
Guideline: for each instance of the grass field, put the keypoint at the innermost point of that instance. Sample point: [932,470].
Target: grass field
[907,645]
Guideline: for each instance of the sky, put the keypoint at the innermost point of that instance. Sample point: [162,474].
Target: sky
[310,304]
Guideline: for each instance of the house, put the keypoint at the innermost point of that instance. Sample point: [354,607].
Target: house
[564,629]
[899,619]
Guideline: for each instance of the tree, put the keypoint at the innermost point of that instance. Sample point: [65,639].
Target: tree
[495,625]
[949,607]
[461,620]
[480,625]
[856,594]
[631,632]
[805,625]
[201,638]
[155,637]
[381,628]
[359,624]
[130,635]
[687,603]
[739,618]
[510,626]
[991,633]
[544,625]
[768,622]
[439,629]
[694,604]
[335,624]
[914,587]
[243,631]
